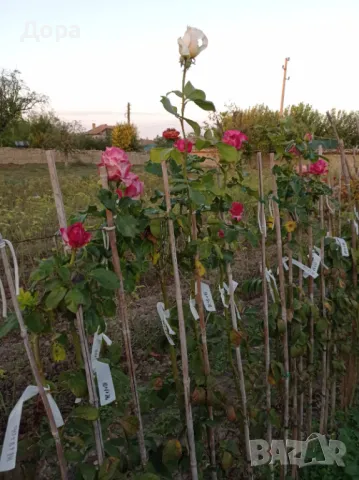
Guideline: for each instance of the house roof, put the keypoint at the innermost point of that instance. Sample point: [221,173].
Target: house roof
[100,129]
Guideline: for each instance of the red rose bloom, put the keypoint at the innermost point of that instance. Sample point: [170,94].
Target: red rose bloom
[171,134]
[75,235]
[183,145]
[235,138]
[236,211]
[294,151]
[221,233]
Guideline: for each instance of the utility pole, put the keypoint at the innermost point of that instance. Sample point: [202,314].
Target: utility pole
[129,113]
[285,67]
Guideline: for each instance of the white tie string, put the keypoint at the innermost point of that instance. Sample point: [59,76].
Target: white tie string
[3,299]
[262,227]
[3,243]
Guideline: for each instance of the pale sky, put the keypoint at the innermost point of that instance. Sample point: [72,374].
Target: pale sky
[126,51]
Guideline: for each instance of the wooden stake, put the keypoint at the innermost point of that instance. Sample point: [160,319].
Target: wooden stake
[123,314]
[91,386]
[32,361]
[240,370]
[300,413]
[322,427]
[59,202]
[311,333]
[265,298]
[282,301]
[182,330]
[206,364]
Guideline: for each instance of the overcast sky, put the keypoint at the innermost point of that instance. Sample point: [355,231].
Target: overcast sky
[126,50]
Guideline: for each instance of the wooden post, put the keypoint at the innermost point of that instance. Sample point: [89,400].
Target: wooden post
[59,202]
[265,298]
[285,68]
[124,320]
[91,386]
[129,113]
[182,330]
[283,303]
[206,364]
[32,361]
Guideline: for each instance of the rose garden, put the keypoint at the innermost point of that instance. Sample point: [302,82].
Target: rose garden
[274,357]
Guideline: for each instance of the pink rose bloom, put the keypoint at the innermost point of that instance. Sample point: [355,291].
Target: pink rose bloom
[235,138]
[319,168]
[183,145]
[236,211]
[134,187]
[294,151]
[221,233]
[117,163]
[308,137]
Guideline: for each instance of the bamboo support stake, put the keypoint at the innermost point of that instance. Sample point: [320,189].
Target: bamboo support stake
[300,414]
[240,370]
[90,380]
[91,385]
[32,361]
[206,364]
[56,189]
[282,301]
[311,334]
[182,331]
[265,298]
[324,399]
[123,315]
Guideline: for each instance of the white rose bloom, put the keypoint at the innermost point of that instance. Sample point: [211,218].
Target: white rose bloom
[189,44]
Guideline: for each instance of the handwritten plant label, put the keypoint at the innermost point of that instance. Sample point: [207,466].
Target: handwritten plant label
[343,246]
[164,316]
[207,297]
[102,370]
[316,260]
[192,306]
[308,271]
[9,450]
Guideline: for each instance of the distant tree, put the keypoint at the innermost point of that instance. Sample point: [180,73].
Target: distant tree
[125,136]
[16,99]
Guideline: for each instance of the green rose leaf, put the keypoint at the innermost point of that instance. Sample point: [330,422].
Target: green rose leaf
[197,95]
[106,278]
[188,89]
[194,125]
[197,197]
[55,297]
[77,384]
[147,476]
[153,168]
[88,472]
[176,92]
[159,155]
[200,144]
[34,322]
[8,326]
[227,152]
[127,225]
[166,102]
[86,412]
[73,299]
[205,104]
[64,274]
[108,199]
